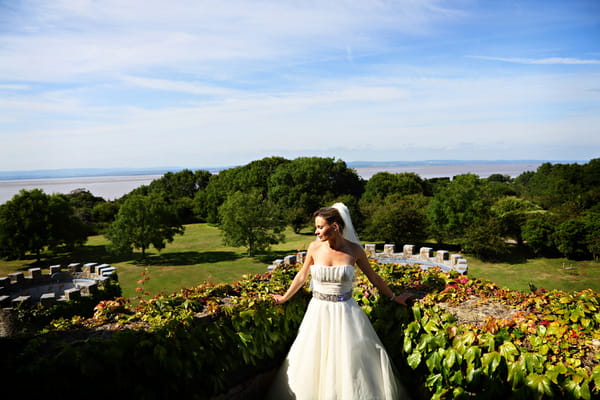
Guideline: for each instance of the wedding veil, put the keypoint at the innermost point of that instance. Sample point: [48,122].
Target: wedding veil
[349,232]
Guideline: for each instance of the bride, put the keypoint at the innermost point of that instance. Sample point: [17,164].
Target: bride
[337,354]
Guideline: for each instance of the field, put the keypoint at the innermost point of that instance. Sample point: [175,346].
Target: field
[199,256]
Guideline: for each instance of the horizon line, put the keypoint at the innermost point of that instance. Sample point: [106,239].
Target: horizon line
[75,172]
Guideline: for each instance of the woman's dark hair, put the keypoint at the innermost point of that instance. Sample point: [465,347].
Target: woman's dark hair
[330,215]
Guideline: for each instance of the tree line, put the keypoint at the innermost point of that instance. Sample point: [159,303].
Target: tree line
[553,211]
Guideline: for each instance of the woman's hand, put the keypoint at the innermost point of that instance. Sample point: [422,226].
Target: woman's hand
[403,298]
[279,299]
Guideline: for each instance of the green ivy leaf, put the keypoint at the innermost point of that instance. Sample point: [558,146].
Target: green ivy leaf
[509,350]
[434,381]
[473,375]
[407,346]
[414,359]
[246,338]
[539,383]
[449,359]
[434,361]
[517,373]
[468,338]
[491,361]
[459,393]
[595,376]
[533,362]
[473,353]
[416,309]
[424,342]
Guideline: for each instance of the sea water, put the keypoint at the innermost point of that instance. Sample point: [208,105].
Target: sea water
[113,187]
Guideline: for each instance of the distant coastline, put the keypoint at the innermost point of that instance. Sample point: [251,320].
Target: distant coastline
[112,183]
[93,172]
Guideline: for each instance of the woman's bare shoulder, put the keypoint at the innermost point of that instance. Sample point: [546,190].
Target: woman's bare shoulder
[356,247]
[314,245]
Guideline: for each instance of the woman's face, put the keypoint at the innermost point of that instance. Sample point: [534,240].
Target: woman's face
[323,229]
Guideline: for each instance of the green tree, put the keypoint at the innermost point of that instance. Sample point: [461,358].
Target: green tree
[103,214]
[33,220]
[143,221]
[538,232]
[484,239]
[83,201]
[307,183]
[591,221]
[253,176]
[512,213]
[569,238]
[248,220]
[382,184]
[457,206]
[397,219]
[179,190]
[65,228]
[558,185]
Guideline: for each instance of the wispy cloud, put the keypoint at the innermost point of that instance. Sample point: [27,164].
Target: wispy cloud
[146,82]
[542,61]
[72,39]
[14,87]
[179,86]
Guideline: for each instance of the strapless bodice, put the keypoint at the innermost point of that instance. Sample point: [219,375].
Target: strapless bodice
[335,280]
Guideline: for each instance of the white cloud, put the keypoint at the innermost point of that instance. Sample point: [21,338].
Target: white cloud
[541,61]
[14,87]
[179,86]
[203,82]
[79,39]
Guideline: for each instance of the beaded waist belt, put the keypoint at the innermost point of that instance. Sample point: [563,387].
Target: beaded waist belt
[332,297]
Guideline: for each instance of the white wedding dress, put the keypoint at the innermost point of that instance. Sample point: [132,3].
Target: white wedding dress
[337,354]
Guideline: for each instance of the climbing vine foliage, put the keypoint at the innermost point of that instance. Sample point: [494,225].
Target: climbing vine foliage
[204,340]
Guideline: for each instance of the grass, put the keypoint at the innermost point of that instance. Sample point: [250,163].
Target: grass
[199,256]
[547,273]
[193,258]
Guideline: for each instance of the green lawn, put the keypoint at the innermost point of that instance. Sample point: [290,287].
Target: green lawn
[191,259]
[548,273]
[200,256]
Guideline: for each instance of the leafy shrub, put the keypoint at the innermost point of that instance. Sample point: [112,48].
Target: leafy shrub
[201,341]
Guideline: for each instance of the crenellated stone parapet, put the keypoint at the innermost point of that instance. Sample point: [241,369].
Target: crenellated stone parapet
[59,284]
[425,258]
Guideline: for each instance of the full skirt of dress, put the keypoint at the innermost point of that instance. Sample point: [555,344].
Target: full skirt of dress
[336,356]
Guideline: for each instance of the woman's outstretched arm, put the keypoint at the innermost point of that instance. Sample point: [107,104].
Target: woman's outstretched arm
[363,263]
[298,281]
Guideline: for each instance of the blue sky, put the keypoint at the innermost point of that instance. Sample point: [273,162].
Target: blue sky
[147,83]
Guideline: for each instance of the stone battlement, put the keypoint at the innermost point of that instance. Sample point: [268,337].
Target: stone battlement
[425,259]
[59,284]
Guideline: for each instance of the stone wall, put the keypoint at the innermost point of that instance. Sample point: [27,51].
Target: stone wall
[425,258]
[58,284]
